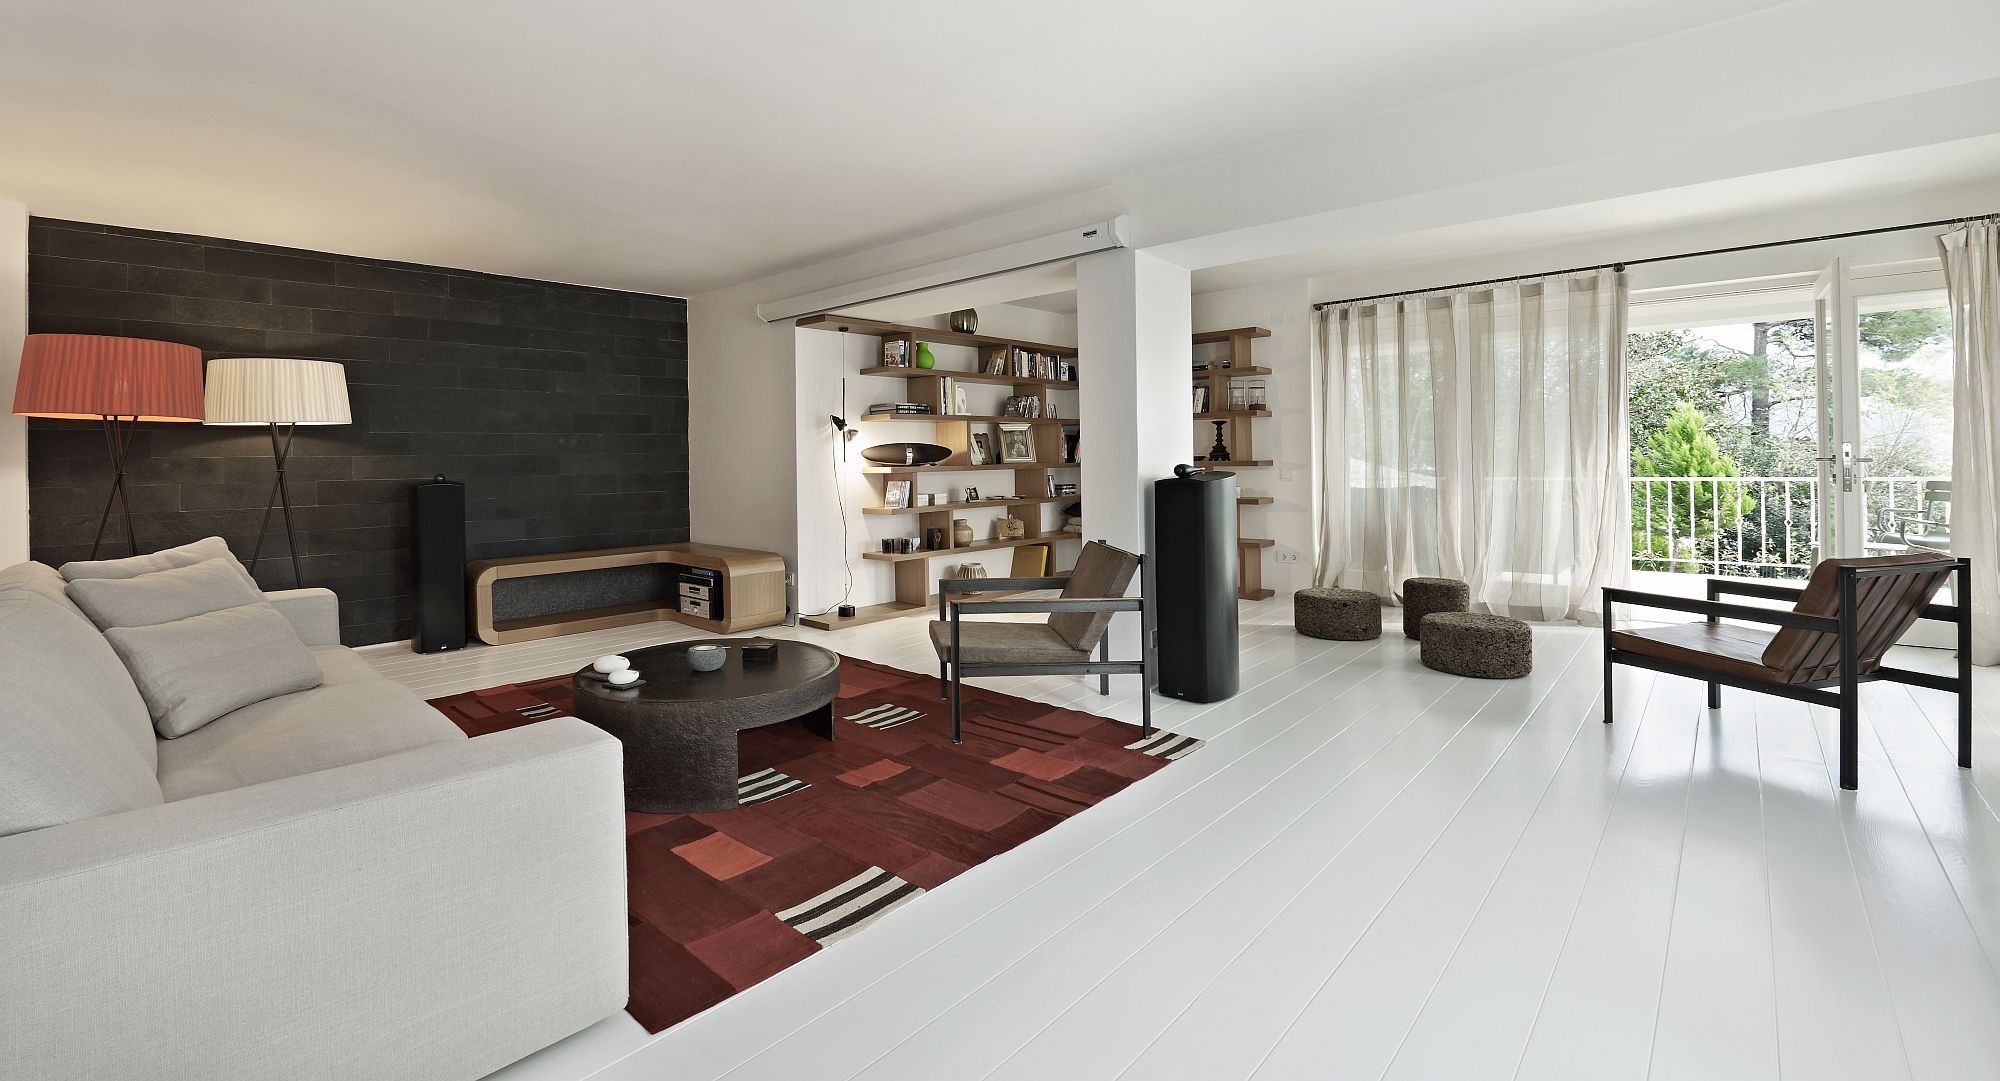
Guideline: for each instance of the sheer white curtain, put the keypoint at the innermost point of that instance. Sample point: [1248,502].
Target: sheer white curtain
[1972,277]
[1394,384]
[1480,435]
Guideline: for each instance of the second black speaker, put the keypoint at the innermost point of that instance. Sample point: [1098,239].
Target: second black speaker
[1194,583]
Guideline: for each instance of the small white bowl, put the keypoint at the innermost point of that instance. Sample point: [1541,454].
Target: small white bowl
[610,663]
[621,677]
[707,658]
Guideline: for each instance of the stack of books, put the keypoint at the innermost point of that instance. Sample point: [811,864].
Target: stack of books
[899,409]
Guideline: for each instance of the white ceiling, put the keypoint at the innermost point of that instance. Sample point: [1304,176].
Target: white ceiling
[677,147]
[1971,164]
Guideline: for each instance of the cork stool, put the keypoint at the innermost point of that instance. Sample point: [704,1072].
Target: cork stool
[1343,615]
[1485,647]
[1422,596]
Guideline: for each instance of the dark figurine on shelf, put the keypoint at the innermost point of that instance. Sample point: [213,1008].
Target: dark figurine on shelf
[1220,451]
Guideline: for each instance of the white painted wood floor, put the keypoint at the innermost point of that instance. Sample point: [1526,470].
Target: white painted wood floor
[1374,870]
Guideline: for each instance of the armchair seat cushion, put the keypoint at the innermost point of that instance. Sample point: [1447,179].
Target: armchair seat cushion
[1006,643]
[1725,647]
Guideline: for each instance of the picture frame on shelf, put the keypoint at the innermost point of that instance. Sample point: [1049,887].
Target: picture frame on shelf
[980,450]
[896,493]
[1017,444]
[971,494]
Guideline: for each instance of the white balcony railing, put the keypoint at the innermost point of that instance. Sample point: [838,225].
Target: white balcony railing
[1753,526]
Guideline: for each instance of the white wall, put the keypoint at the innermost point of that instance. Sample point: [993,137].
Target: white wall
[1287,437]
[13,429]
[742,444]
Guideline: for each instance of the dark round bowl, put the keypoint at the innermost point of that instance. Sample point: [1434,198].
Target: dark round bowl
[906,453]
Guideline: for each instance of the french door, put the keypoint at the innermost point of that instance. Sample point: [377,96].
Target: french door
[1837,341]
[1884,417]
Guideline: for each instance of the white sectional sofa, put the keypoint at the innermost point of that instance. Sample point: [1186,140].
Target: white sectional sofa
[333,883]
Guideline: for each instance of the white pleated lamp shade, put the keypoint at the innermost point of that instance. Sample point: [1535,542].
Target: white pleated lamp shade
[275,390]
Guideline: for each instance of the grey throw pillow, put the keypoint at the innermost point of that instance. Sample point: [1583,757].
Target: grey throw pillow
[163,596]
[193,670]
[164,560]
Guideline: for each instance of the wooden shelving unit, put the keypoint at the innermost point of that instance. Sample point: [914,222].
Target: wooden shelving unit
[999,501]
[975,377]
[962,418]
[1238,365]
[914,582]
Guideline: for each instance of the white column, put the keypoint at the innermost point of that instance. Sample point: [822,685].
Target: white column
[1134,351]
[13,429]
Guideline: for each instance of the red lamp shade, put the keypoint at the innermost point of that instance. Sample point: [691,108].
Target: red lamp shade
[91,376]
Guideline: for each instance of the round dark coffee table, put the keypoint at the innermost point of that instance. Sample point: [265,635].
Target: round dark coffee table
[679,730]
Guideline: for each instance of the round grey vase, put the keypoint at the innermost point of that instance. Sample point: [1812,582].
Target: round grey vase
[965,321]
[707,658]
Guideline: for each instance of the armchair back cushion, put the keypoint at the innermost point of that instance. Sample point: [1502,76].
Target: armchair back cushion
[1887,606]
[1101,571]
[75,742]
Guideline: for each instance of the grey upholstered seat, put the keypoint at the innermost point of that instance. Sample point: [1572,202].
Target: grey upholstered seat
[1005,643]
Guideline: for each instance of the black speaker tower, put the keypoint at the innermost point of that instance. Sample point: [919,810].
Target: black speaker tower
[438,513]
[1194,583]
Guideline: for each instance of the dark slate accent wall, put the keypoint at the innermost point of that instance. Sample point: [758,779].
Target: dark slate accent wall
[563,409]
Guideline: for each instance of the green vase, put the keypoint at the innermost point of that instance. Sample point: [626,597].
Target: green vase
[924,357]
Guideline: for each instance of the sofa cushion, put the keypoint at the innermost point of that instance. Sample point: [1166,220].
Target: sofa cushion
[92,662]
[354,716]
[40,579]
[193,670]
[165,559]
[68,747]
[163,596]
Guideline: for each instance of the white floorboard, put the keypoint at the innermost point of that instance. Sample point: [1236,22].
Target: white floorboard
[1374,870]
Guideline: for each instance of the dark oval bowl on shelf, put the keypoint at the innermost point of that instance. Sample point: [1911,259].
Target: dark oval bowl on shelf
[906,453]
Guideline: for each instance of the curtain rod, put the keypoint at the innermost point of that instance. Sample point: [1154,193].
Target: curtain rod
[1622,264]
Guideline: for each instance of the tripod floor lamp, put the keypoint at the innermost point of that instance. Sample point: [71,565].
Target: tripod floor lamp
[117,382]
[278,393]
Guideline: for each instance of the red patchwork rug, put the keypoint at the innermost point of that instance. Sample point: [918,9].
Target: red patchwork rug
[833,836]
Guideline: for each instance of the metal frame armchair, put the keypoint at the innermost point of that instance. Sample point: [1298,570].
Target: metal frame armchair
[1842,623]
[960,645]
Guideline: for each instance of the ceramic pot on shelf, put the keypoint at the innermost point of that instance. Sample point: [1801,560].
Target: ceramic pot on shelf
[961,532]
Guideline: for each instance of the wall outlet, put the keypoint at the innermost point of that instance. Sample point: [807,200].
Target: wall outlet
[1288,557]
[1287,475]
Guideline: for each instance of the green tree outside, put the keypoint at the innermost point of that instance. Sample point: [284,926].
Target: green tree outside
[1671,519]
[1750,392]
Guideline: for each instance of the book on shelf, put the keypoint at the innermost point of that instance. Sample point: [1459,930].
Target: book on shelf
[1029,364]
[952,395]
[895,352]
[900,408]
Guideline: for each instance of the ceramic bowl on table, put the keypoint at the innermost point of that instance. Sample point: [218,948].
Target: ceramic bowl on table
[707,658]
